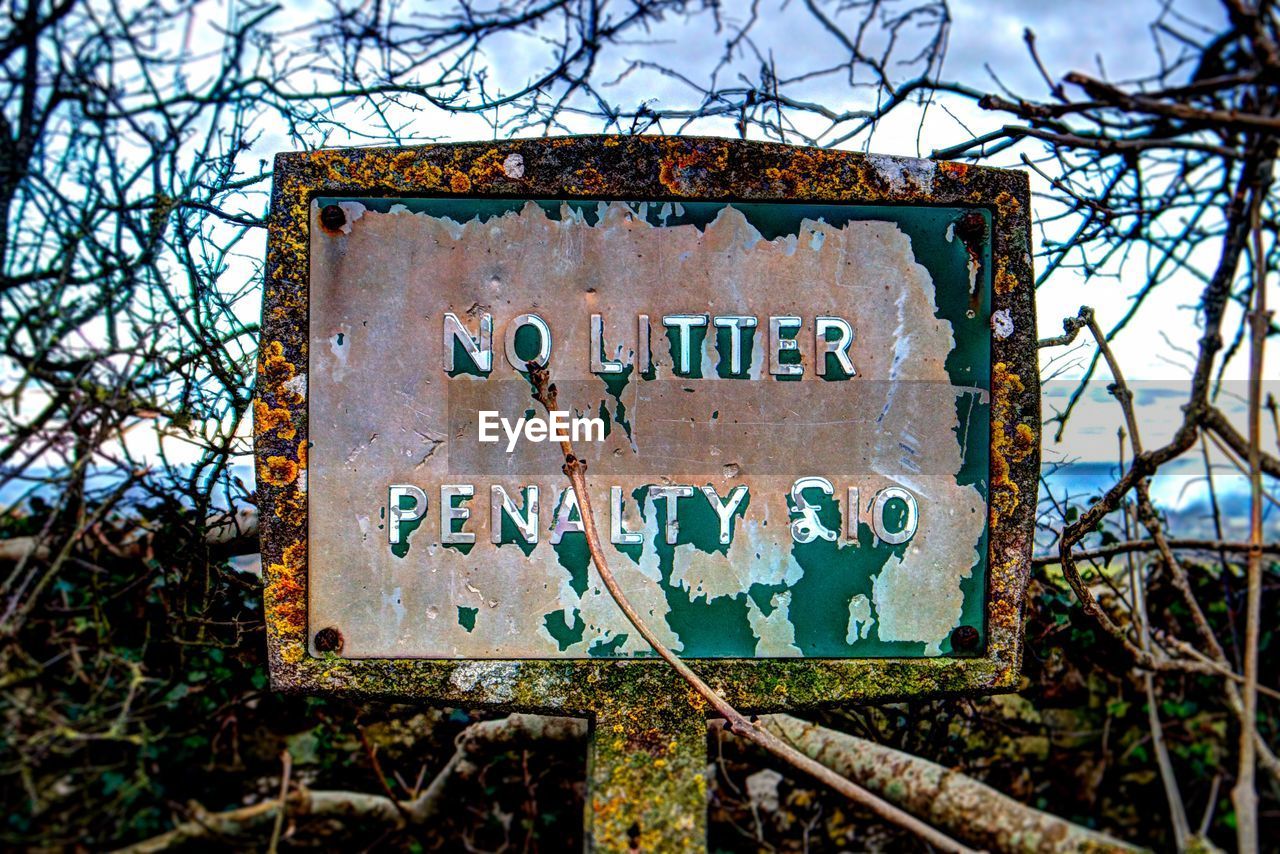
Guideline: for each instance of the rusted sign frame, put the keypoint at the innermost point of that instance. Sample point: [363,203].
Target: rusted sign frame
[652,169]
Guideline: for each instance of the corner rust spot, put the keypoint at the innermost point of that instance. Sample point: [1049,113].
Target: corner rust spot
[329,639]
[332,219]
[971,228]
[964,638]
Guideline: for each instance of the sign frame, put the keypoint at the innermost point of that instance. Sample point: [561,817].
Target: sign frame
[656,169]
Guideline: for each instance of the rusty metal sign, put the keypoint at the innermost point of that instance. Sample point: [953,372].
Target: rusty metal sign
[804,383]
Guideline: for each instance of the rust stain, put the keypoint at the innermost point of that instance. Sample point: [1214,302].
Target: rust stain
[332,218]
[971,228]
[328,639]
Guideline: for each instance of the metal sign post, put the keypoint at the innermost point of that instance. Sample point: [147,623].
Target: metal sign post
[804,383]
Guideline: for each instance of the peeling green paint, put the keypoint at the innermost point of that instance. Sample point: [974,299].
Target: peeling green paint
[564,634]
[609,648]
[467,617]
[510,535]
[407,527]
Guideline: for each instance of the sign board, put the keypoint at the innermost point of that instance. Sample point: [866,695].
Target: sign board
[804,382]
[783,409]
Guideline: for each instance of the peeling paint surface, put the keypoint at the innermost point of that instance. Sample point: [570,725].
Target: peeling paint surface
[384,411]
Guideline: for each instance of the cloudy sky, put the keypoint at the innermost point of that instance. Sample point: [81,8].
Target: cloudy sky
[985,50]
[1108,38]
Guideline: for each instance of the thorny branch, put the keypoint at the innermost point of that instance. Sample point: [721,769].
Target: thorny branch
[387,810]
[1192,660]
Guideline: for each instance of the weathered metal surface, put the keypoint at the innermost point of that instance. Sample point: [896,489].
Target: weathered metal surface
[658,169]
[894,423]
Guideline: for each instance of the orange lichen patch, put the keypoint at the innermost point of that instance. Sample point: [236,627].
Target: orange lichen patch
[459,182]
[820,174]
[695,701]
[667,175]
[414,168]
[488,167]
[588,180]
[1007,203]
[279,471]
[302,453]
[681,170]
[268,418]
[425,174]
[294,555]
[286,606]
[1011,441]
[1002,612]
[1004,492]
[1005,281]
[275,367]
[338,168]
[1024,439]
[285,595]
[953,169]
[291,508]
[287,395]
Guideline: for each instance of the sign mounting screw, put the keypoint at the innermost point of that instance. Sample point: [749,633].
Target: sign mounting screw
[333,217]
[964,639]
[329,640]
